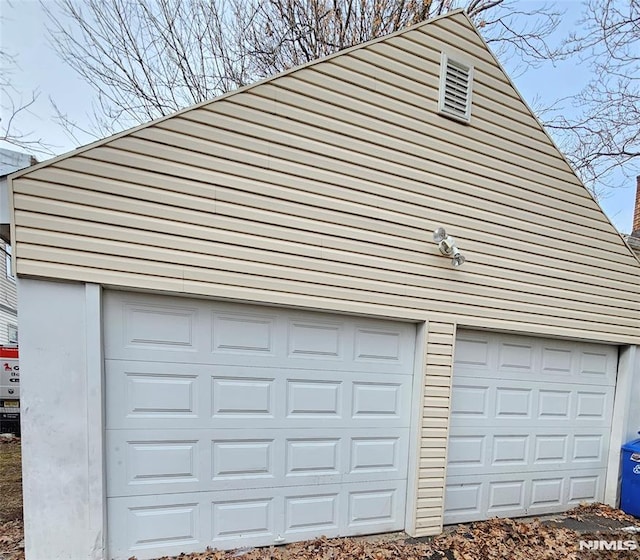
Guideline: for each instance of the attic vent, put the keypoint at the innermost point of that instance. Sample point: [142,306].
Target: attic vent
[456,80]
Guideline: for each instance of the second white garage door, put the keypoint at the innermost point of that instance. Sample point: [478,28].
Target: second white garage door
[530,425]
[230,425]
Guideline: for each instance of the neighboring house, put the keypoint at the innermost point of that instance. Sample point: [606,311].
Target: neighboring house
[8,298]
[237,330]
[634,243]
[633,240]
[10,161]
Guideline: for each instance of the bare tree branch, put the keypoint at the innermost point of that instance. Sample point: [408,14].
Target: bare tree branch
[149,58]
[604,134]
[15,106]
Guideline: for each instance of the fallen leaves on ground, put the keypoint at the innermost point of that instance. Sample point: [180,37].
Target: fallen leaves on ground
[600,510]
[318,549]
[11,541]
[11,532]
[10,480]
[495,539]
[499,539]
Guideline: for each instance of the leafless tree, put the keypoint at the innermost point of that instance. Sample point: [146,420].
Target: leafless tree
[149,58]
[13,106]
[604,135]
[291,32]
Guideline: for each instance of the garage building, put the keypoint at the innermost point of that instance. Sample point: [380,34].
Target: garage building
[236,328]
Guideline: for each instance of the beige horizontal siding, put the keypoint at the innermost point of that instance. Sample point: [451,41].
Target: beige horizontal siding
[514,262]
[111,239]
[258,123]
[381,220]
[435,422]
[255,180]
[467,163]
[416,103]
[385,55]
[129,257]
[321,188]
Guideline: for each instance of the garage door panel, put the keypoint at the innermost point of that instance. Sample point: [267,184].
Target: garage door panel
[150,394]
[593,405]
[244,334]
[519,357]
[525,452]
[489,402]
[145,462]
[378,345]
[144,394]
[306,515]
[464,500]
[156,328]
[473,498]
[375,507]
[235,425]
[242,394]
[174,526]
[530,425]
[316,340]
[160,327]
[161,395]
[245,515]
[139,326]
[176,523]
[208,518]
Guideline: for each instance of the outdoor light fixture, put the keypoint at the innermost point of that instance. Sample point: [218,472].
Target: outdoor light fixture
[447,246]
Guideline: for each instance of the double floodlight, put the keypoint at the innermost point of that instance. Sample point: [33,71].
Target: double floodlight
[447,246]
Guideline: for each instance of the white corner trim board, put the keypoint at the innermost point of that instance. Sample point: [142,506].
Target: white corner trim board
[626,417]
[60,362]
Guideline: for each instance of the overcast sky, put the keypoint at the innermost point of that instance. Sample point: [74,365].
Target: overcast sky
[23,33]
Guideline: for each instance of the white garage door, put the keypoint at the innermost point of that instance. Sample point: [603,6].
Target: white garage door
[530,425]
[230,425]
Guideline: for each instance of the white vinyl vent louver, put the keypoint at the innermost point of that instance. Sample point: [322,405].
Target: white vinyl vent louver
[456,80]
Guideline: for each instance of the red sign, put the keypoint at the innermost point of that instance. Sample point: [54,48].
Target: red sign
[9,372]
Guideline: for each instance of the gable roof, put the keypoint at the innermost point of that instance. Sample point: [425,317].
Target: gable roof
[459,15]
[320,186]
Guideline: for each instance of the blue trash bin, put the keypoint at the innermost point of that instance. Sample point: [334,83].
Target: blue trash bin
[630,491]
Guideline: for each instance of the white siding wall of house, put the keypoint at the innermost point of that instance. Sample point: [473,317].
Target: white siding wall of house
[8,299]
